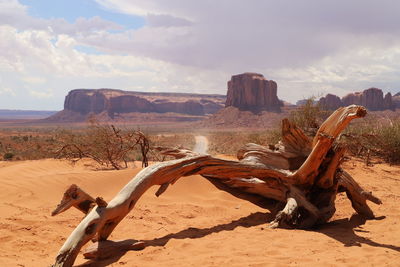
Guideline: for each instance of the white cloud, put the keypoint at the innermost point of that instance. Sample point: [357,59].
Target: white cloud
[6,91]
[163,20]
[42,94]
[354,70]
[34,80]
[309,47]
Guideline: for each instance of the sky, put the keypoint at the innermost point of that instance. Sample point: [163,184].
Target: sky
[309,47]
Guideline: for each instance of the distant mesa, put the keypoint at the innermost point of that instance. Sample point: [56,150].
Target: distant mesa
[372,98]
[110,103]
[248,92]
[396,100]
[252,92]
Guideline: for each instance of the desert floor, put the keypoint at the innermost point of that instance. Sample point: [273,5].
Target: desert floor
[192,224]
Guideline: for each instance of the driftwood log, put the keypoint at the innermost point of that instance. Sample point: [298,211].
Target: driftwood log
[303,173]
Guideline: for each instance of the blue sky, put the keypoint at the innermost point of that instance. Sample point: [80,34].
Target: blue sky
[70,10]
[309,47]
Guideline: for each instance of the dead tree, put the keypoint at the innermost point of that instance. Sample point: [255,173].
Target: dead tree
[106,144]
[300,172]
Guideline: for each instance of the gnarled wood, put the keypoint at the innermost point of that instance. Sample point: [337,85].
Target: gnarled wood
[294,140]
[357,195]
[75,197]
[309,191]
[323,141]
[328,176]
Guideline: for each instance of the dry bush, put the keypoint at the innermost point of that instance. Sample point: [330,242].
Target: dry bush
[309,116]
[229,142]
[27,144]
[376,137]
[169,139]
[108,145]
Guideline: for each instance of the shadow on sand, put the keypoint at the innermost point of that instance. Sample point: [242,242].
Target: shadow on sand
[342,230]
[345,231]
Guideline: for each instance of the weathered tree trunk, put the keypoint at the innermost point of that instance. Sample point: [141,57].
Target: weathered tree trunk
[75,197]
[300,172]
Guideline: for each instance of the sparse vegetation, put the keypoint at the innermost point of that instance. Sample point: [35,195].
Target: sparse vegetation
[27,144]
[309,116]
[8,156]
[375,138]
[32,143]
[224,142]
[106,144]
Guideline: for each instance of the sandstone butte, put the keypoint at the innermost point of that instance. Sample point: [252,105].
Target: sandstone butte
[251,91]
[372,98]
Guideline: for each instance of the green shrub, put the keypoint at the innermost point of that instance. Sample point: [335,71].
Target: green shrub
[8,156]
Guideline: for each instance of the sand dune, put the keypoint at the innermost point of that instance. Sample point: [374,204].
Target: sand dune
[192,224]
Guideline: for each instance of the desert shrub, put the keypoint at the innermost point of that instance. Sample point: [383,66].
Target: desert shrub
[374,138]
[8,156]
[27,143]
[108,145]
[229,142]
[309,116]
[168,139]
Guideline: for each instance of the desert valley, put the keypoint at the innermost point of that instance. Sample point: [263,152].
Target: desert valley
[199,133]
[194,223]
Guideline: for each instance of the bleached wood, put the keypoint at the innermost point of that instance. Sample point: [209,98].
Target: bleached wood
[323,141]
[338,121]
[294,140]
[287,214]
[75,197]
[103,220]
[281,159]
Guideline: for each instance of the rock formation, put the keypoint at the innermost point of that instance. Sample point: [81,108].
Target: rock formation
[330,102]
[396,100]
[83,102]
[371,98]
[110,102]
[388,102]
[251,91]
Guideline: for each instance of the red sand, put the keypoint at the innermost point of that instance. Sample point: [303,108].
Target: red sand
[192,224]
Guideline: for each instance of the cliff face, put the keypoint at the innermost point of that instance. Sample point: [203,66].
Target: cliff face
[371,98]
[331,102]
[84,103]
[96,101]
[129,103]
[251,91]
[396,100]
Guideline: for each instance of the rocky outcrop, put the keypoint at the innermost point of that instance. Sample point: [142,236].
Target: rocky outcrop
[330,102]
[352,98]
[251,91]
[388,102]
[371,98]
[129,103]
[188,107]
[396,100]
[82,102]
[86,101]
